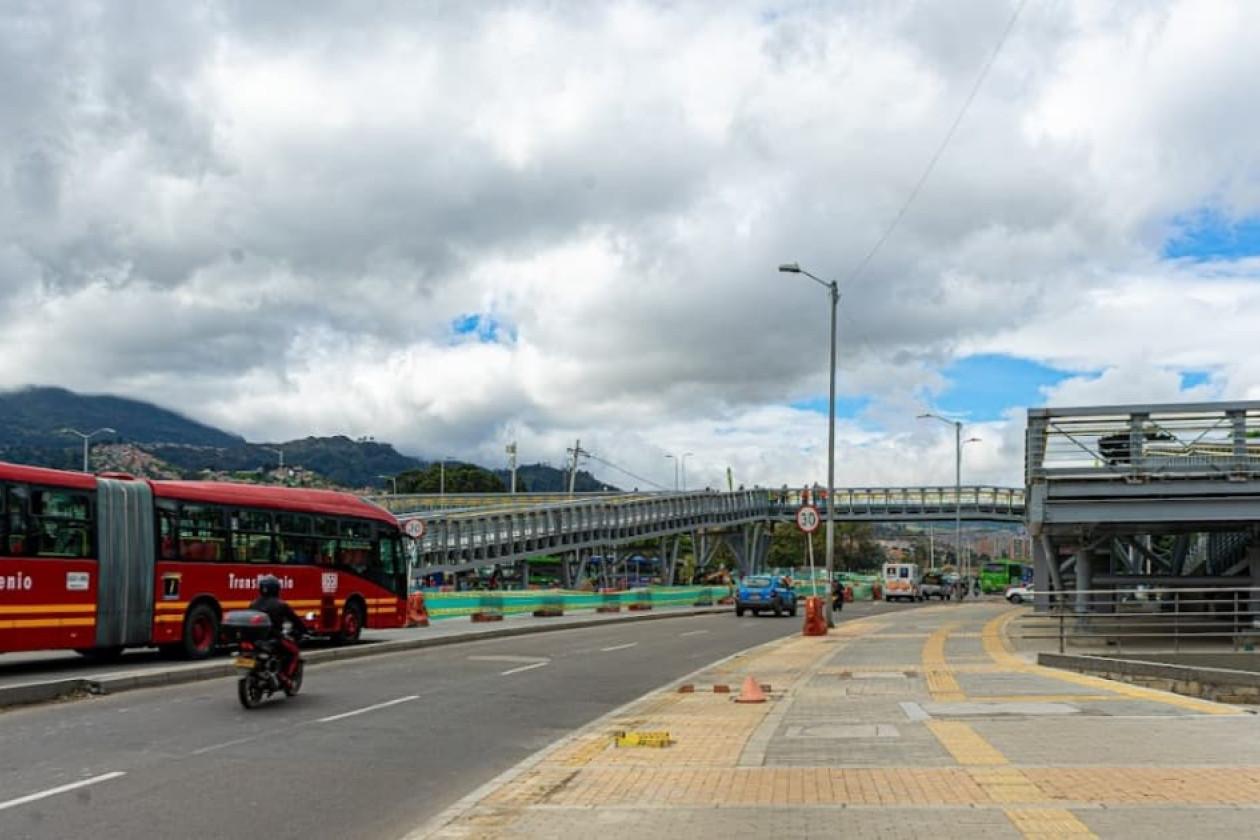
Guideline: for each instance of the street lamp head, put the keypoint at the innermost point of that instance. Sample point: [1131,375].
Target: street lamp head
[972,440]
[790,268]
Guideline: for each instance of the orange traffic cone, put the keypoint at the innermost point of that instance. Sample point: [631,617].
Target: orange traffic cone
[751,692]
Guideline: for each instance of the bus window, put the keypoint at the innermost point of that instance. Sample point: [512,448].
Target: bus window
[392,559]
[294,543]
[168,529]
[62,522]
[251,536]
[354,549]
[202,537]
[326,540]
[21,538]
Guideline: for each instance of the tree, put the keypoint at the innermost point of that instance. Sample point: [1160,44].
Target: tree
[460,478]
[855,547]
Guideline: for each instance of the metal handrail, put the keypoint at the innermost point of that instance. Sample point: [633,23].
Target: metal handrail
[1205,441]
[1172,614]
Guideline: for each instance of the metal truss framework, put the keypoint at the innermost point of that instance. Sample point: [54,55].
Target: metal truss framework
[1159,495]
[470,531]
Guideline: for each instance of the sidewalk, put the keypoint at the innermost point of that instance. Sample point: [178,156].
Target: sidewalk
[920,722]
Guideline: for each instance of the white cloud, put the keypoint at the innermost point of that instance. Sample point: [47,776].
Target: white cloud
[269,217]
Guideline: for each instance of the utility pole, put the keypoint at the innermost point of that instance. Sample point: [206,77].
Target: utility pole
[576,451]
[511,451]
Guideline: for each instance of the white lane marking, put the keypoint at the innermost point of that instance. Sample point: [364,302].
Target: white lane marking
[693,633]
[224,745]
[618,647]
[367,709]
[44,794]
[524,668]
[506,658]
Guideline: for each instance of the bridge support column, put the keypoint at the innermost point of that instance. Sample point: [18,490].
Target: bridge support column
[1253,564]
[1084,579]
[1041,573]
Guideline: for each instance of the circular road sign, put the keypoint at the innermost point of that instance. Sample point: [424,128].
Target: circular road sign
[807,518]
[414,528]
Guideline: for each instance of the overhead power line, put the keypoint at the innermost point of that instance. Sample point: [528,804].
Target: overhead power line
[638,478]
[940,150]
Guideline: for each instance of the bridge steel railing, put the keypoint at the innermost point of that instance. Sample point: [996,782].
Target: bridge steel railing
[498,528]
[1173,466]
[1150,494]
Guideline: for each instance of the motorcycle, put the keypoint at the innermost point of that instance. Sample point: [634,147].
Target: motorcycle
[259,657]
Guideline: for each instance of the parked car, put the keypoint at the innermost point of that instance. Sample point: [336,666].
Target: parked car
[934,585]
[765,592]
[1020,593]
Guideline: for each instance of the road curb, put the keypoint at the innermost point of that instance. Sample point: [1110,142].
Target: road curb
[26,694]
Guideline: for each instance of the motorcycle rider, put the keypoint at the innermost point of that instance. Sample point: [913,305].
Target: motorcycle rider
[270,602]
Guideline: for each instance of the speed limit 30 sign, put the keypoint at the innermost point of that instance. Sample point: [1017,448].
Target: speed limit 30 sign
[414,528]
[807,518]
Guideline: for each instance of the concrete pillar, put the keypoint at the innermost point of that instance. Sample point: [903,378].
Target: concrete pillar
[1084,579]
[1041,575]
[1253,564]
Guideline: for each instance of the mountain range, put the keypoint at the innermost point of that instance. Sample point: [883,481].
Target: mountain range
[34,420]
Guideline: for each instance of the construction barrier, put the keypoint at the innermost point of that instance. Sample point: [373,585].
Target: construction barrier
[443,605]
[815,617]
[417,615]
[552,607]
[490,608]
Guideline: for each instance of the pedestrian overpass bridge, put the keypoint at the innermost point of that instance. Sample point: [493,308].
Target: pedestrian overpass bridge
[469,531]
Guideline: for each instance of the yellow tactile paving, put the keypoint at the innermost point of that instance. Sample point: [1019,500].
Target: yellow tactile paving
[967,747]
[998,649]
[1047,822]
[1150,785]
[940,680]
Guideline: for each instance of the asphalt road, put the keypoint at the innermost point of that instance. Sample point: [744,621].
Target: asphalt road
[370,749]
[39,666]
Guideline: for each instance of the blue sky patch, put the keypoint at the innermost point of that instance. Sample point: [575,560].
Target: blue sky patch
[981,387]
[1210,235]
[845,406]
[484,328]
[1193,378]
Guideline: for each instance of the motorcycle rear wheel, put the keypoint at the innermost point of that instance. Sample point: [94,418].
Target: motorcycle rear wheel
[249,691]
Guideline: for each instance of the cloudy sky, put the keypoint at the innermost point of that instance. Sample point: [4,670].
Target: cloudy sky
[450,225]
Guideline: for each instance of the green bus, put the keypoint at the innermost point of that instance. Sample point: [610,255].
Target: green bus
[996,575]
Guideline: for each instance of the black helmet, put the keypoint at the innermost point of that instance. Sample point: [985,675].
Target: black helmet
[269,586]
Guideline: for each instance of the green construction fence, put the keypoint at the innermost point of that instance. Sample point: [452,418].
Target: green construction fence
[455,604]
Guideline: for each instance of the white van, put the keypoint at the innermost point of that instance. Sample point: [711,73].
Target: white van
[902,581]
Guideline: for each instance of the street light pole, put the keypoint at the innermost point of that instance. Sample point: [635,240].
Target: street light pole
[675,460]
[511,451]
[391,479]
[685,456]
[833,292]
[104,430]
[964,567]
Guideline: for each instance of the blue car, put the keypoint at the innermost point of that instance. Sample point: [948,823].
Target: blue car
[765,592]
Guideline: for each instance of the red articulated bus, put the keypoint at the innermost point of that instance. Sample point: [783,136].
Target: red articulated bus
[102,563]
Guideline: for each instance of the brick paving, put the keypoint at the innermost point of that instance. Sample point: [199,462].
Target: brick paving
[917,722]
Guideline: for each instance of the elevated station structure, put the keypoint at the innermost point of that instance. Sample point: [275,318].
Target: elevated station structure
[479,530]
[1143,495]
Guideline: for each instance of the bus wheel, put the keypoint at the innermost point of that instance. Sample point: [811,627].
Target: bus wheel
[201,632]
[101,654]
[351,624]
